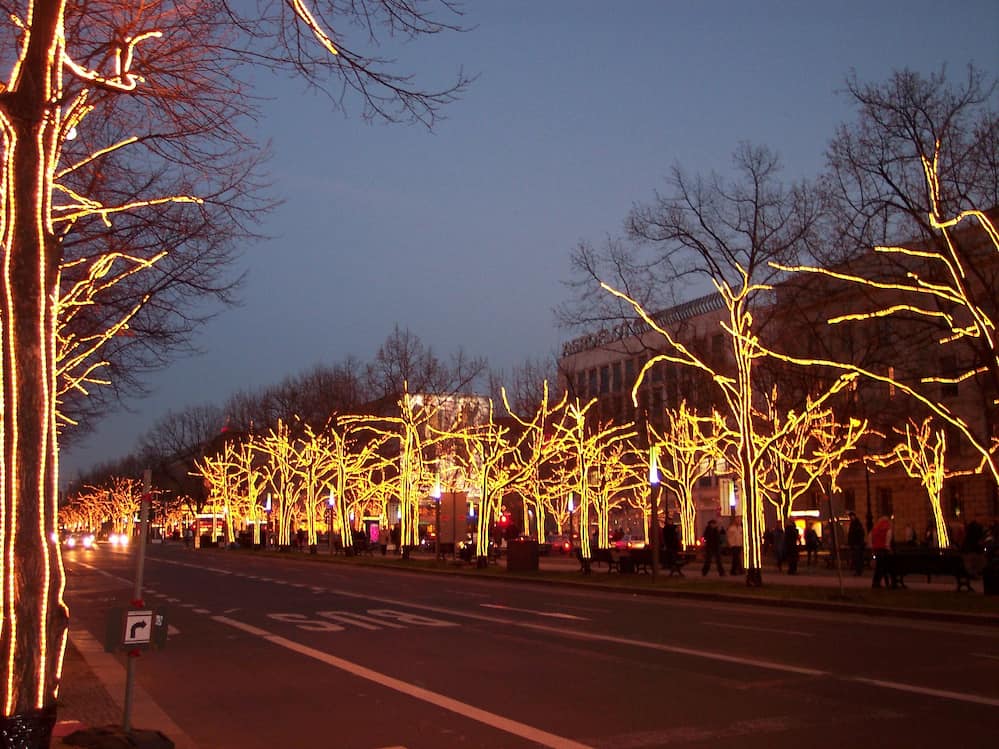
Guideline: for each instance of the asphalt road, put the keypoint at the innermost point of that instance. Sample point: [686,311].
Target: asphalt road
[287,653]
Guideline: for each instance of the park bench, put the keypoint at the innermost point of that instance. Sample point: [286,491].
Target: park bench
[675,562]
[596,555]
[931,562]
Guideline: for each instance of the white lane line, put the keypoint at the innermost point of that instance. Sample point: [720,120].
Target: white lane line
[207,611]
[550,614]
[467,594]
[760,629]
[172,630]
[471,712]
[986,655]
[230,611]
[913,689]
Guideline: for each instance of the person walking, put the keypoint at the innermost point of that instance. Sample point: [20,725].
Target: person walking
[811,545]
[779,547]
[712,548]
[881,546]
[791,537]
[855,541]
[735,545]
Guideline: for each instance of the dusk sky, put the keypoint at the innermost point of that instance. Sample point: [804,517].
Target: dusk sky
[463,235]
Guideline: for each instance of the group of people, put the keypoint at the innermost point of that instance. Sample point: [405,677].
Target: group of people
[719,540]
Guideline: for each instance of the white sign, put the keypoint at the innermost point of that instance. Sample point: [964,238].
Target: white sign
[138,627]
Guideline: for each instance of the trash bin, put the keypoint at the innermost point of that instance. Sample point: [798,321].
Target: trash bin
[990,578]
[522,555]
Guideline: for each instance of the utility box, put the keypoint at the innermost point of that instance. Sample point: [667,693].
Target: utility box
[522,555]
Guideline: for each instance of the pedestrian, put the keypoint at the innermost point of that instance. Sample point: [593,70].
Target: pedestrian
[855,541]
[811,545]
[791,537]
[712,548]
[909,535]
[881,546]
[779,547]
[188,535]
[735,544]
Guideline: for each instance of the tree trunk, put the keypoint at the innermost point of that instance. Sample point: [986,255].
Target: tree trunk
[35,618]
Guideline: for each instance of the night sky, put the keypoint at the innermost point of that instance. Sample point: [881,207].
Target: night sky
[581,106]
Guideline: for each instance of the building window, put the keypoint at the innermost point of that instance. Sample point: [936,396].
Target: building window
[581,384]
[629,372]
[592,391]
[849,500]
[885,503]
[604,379]
[616,377]
[717,344]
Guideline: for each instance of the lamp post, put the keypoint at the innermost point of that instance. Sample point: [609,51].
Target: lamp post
[435,494]
[654,507]
[329,528]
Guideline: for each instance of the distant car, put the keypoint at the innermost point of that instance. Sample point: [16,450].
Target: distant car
[561,544]
[118,539]
[79,541]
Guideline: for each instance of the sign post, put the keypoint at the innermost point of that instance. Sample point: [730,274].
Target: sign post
[138,623]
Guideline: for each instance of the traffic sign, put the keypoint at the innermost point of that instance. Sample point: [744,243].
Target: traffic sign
[138,628]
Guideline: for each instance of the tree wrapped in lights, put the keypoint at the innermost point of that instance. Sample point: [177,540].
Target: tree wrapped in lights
[110,113]
[586,446]
[356,463]
[795,459]
[686,451]
[921,453]
[539,451]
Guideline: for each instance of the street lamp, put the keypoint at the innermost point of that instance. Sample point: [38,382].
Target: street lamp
[654,506]
[435,494]
[329,532]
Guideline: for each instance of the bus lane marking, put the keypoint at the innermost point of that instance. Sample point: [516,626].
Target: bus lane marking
[499,722]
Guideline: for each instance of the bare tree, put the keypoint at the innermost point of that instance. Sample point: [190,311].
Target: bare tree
[404,362]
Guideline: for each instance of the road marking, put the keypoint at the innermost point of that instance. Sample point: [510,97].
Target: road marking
[358,620]
[709,655]
[172,630]
[206,611]
[986,655]
[530,733]
[760,629]
[550,614]
[912,688]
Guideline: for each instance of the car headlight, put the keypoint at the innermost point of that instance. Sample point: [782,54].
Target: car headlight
[71,541]
[88,542]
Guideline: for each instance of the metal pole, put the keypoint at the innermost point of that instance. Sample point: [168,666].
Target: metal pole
[654,534]
[147,481]
[437,528]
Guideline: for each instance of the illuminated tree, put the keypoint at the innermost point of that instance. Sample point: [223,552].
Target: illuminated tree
[794,462]
[586,447]
[540,449]
[938,286]
[921,453]
[123,159]
[917,165]
[619,478]
[686,451]
[356,462]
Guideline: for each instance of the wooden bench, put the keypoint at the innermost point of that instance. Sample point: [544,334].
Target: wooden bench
[931,562]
